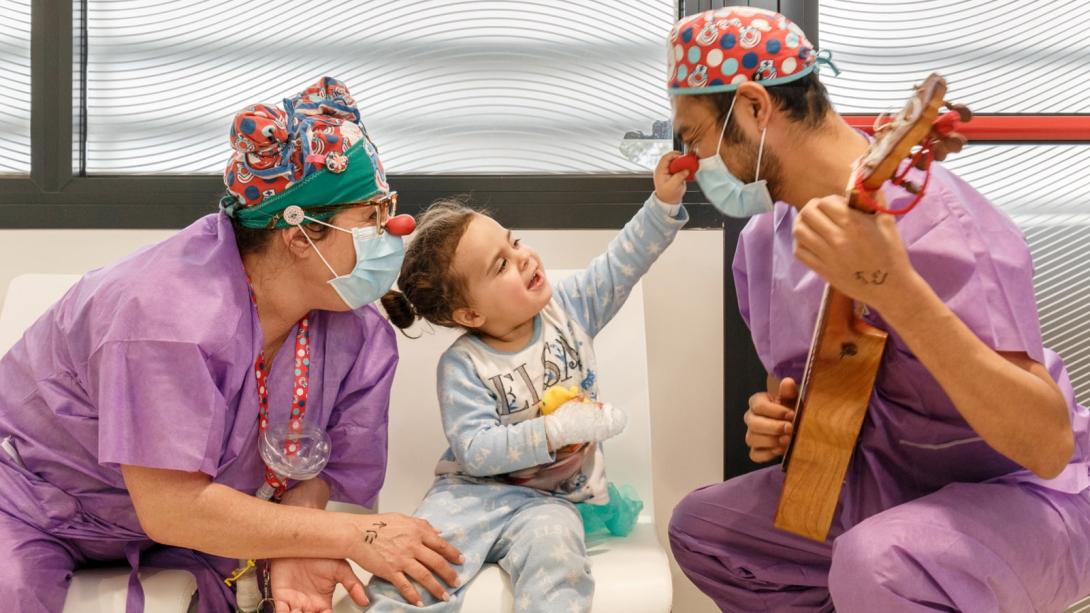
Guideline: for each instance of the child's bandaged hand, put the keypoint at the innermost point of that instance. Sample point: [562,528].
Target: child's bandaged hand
[583,422]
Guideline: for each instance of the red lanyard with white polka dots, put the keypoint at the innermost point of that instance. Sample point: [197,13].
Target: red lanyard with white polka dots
[300,391]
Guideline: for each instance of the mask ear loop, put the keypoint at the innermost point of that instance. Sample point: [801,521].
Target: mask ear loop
[723,131]
[369,232]
[294,216]
[760,152]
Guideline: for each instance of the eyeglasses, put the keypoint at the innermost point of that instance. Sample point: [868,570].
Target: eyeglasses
[294,215]
[387,208]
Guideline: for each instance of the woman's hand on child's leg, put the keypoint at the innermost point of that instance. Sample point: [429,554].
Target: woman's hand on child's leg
[583,422]
[396,548]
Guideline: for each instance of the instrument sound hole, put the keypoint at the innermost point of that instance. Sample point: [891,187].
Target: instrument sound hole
[848,350]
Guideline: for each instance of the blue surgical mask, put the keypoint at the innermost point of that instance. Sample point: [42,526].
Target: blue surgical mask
[378,262]
[725,191]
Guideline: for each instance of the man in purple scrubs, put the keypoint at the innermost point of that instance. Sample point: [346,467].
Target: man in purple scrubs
[130,412]
[968,488]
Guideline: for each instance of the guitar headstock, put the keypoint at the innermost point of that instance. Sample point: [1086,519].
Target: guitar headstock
[918,133]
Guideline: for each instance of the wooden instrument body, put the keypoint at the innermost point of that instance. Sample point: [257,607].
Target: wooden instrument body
[829,416]
[845,353]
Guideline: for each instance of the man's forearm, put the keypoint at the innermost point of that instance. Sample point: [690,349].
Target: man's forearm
[1010,401]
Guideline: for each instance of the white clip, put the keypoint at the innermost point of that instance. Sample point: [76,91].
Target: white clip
[293,215]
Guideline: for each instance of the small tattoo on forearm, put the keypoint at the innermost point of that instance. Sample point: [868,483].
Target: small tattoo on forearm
[874,277]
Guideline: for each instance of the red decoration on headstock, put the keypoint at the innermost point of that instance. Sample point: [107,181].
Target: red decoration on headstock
[918,133]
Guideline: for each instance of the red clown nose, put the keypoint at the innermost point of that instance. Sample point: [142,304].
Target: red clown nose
[686,162]
[401,225]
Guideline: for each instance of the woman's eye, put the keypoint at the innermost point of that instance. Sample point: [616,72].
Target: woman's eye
[503,265]
[517,241]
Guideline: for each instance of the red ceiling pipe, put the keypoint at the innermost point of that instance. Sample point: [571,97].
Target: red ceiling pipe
[1010,128]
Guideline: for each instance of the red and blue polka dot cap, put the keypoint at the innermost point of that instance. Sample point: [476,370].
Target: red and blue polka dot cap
[716,51]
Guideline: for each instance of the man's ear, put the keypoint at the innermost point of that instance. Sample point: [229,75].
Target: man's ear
[467,318]
[756,102]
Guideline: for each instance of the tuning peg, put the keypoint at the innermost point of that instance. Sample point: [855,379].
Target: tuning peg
[954,142]
[964,114]
[940,150]
[945,123]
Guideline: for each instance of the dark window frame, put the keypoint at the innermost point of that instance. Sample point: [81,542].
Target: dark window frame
[53,196]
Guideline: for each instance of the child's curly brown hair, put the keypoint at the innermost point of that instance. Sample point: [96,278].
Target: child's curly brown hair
[430,289]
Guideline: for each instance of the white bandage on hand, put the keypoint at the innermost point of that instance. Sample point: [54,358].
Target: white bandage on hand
[583,422]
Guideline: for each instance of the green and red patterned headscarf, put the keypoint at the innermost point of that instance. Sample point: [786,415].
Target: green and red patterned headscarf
[314,152]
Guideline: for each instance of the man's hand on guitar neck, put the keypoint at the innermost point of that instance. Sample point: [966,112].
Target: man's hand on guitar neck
[769,419]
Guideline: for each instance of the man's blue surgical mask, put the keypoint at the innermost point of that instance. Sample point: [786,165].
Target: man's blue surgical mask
[725,191]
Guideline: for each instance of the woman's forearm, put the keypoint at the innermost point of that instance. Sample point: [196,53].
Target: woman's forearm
[1008,399]
[188,510]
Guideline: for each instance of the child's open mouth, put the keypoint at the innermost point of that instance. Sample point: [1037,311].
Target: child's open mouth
[536,281]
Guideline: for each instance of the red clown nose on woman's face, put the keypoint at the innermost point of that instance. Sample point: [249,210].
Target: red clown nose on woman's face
[401,225]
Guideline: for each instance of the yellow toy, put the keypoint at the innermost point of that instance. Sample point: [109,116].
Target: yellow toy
[556,396]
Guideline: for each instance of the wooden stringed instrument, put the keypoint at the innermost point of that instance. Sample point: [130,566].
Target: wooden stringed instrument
[845,351]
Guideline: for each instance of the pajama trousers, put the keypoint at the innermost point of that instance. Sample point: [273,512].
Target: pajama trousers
[535,537]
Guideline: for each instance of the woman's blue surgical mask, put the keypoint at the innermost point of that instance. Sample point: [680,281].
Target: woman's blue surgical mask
[378,262]
[725,191]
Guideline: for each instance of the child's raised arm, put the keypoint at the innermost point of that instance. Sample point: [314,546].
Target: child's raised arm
[595,295]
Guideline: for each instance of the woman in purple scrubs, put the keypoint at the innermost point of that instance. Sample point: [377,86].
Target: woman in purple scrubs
[131,412]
